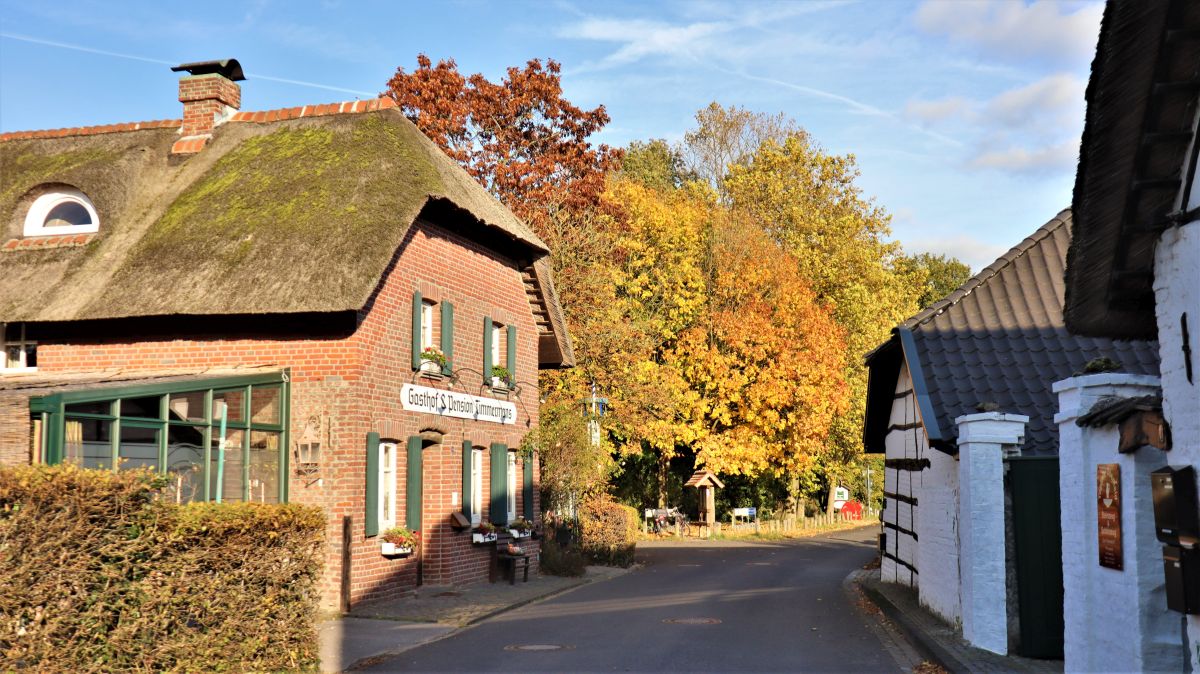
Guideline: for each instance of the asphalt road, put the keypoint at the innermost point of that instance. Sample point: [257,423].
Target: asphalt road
[760,607]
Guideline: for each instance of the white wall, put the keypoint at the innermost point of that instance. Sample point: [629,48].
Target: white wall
[1115,620]
[937,534]
[900,517]
[1177,290]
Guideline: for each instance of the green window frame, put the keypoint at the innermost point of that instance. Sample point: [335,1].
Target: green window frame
[146,412]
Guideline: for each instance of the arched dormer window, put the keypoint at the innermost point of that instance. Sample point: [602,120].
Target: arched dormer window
[61,211]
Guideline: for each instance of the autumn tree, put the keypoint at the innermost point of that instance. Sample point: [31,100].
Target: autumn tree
[807,200]
[944,274]
[725,136]
[519,137]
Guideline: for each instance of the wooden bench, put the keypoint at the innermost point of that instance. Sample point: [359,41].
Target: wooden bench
[511,562]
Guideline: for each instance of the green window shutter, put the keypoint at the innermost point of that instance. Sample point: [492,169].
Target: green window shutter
[498,511]
[413,485]
[487,349]
[372,515]
[448,337]
[416,331]
[467,491]
[527,488]
[512,354]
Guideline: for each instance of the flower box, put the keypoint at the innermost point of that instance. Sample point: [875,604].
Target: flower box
[393,550]
[519,533]
[480,539]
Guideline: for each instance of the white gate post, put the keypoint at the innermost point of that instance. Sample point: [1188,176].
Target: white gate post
[983,441]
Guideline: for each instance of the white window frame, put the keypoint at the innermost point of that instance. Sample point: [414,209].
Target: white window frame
[476,485]
[512,486]
[35,219]
[387,484]
[22,344]
[427,312]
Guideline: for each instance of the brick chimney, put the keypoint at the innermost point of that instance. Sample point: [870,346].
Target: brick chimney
[210,95]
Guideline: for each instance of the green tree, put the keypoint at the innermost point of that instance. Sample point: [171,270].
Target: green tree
[944,274]
[654,164]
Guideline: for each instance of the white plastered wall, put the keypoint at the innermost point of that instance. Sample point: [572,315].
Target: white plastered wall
[937,533]
[1176,291]
[904,440]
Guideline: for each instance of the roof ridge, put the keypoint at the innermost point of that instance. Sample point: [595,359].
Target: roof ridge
[989,272]
[255,116]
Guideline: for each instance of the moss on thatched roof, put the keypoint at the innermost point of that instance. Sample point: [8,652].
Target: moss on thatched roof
[297,216]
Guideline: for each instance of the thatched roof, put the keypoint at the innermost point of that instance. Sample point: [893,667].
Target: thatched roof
[1141,107]
[999,338]
[284,217]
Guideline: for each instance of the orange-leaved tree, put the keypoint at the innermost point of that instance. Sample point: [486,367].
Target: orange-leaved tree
[519,137]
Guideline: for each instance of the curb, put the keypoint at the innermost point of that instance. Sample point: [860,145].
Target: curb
[925,644]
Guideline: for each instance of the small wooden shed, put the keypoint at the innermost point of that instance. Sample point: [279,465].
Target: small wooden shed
[706,481]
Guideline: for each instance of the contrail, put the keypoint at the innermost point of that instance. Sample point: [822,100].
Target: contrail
[132,57]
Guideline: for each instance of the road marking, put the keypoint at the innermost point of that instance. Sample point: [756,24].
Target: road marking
[538,647]
[692,621]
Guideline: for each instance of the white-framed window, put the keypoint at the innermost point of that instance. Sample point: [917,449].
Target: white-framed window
[387,485]
[427,324]
[62,211]
[476,485]
[497,347]
[513,481]
[19,353]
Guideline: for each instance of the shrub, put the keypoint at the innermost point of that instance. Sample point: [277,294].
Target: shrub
[100,575]
[561,560]
[608,530]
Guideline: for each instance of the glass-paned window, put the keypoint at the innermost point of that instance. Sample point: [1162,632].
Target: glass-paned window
[184,445]
[232,402]
[145,407]
[186,406]
[185,463]
[497,346]
[387,485]
[264,404]
[228,484]
[16,351]
[264,466]
[512,486]
[476,485]
[427,324]
[138,448]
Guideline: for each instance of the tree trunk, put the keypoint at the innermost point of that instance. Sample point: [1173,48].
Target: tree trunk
[794,490]
[664,465]
[832,495]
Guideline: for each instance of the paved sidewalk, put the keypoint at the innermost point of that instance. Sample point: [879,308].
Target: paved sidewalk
[386,628]
[941,642]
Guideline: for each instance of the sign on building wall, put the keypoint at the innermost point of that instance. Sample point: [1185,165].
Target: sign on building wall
[1108,515]
[458,405]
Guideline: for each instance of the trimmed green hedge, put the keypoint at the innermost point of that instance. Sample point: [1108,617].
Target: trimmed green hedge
[98,575]
[609,531]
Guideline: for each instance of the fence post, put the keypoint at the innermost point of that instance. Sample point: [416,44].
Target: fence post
[346,540]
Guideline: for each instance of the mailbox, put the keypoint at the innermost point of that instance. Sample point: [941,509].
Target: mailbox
[1175,510]
[1180,566]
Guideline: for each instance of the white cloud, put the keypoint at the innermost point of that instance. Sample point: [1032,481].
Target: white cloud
[937,110]
[1015,30]
[642,38]
[1057,99]
[1031,161]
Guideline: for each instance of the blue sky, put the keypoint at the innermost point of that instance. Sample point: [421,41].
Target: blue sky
[964,116]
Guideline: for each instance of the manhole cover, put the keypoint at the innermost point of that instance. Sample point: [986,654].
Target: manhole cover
[538,647]
[689,565]
[448,594]
[692,621]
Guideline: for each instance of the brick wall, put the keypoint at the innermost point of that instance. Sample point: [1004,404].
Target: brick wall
[350,386]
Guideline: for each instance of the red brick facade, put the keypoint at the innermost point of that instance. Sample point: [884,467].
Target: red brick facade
[348,387]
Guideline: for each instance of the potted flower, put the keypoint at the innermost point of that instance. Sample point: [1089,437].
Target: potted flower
[433,360]
[484,532]
[520,528]
[501,377]
[398,542]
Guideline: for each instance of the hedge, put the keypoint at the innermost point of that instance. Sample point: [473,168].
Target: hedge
[609,531]
[99,575]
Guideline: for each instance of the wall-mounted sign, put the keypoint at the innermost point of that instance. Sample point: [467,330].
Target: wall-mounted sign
[1108,515]
[458,405]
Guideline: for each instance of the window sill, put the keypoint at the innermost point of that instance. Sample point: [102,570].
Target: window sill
[17,370]
[429,374]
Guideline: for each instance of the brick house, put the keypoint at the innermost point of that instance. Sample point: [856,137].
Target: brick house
[276,276]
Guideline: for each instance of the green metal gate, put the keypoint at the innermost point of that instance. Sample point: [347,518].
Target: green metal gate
[1037,534]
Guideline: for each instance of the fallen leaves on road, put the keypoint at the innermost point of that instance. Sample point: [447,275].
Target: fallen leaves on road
[928,667]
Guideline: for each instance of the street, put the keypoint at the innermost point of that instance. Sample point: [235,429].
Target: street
[724,606]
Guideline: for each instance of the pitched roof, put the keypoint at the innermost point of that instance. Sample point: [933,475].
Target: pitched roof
[1141,110]
[704,478]
[288,211]
[998,338]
